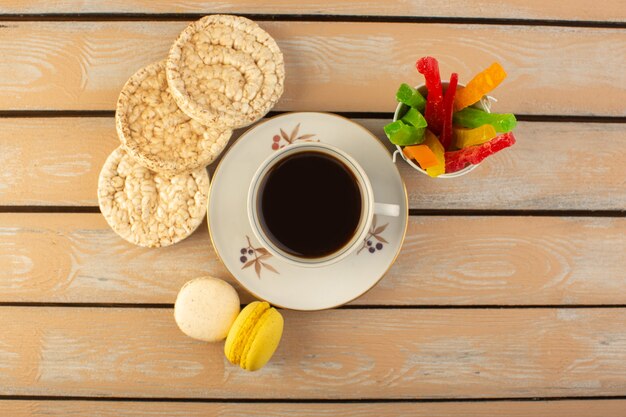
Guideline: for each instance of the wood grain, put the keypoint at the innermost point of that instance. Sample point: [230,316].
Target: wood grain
[608,10]
[83,65]
[604,408]
[53,161]
[351,354]
[445,260]
[553,166]
[57,161]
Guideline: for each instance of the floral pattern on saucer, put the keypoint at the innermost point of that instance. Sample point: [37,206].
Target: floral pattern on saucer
[374,241]
[257,256]
[277,140]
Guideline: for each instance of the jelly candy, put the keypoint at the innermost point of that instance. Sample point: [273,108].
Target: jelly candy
[433,143]
[429,67]
[433,126]
[411,97]
[480,85]
[447,110]
[458,160]
[422,154]
[400,133]
[470,137]
[472,118]
[414,118]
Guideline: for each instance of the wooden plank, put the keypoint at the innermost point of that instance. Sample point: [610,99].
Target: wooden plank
[545,170]
[445,260]
[83,65]
[608,10]
[53,161]
[604,408]
[57,161]
[351,354]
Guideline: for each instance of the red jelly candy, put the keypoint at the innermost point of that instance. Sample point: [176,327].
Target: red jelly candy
[429,67]
[447,110]
[457,160]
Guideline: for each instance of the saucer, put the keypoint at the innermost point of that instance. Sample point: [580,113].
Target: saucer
[276,281]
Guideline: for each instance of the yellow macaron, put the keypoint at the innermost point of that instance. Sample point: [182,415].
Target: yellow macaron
[254,336]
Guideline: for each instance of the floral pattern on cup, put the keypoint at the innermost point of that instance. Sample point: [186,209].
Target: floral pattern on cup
[257,257]
[374,242]
[282,140]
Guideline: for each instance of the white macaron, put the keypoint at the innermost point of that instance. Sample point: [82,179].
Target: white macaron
[206,308]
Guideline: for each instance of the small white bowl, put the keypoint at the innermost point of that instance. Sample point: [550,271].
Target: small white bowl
[483,104]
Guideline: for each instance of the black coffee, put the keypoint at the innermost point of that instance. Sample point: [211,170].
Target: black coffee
[309,204]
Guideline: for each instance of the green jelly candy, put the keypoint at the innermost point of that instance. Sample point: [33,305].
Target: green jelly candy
[393,127]
[414,118]
[472,118]
[400,133]
[411,97]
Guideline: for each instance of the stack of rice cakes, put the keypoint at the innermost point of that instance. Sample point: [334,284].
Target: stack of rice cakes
[175,117]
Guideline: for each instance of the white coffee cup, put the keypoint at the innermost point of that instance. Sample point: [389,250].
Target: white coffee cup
[368,205]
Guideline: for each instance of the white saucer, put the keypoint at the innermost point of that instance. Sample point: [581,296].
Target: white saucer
[278,282]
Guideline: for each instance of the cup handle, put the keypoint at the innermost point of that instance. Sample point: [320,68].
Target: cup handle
[383,209]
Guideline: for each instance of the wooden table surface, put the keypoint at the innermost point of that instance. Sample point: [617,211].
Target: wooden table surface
[508,298]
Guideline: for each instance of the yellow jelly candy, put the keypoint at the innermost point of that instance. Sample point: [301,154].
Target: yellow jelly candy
[470,137]
[433,143]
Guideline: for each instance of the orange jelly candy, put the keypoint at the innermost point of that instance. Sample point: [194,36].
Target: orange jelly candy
[422,154]
[480,85]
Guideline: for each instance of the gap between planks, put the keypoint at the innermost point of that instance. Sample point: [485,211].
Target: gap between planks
[576,10]
[546,118]
[166,306]
[412,212]
[176,17]
[64,398]
[105,407]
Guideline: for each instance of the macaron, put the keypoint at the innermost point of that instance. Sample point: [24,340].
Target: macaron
[206,308]
[254,336]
